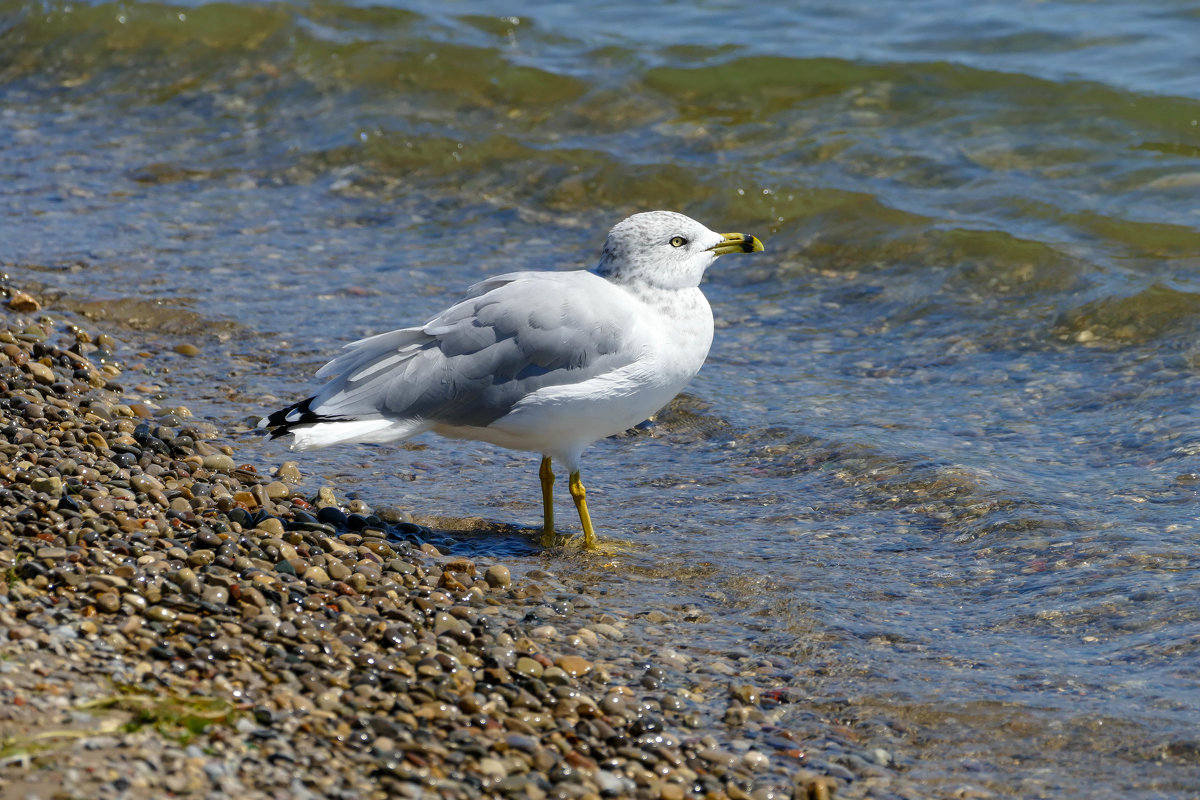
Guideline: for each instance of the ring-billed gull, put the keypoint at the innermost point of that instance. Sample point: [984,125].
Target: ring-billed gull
[546,362]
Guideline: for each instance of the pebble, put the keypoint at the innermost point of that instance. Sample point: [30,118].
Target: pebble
[288,472]
[108,601]
[145,483]
[529,666]
[52,486]
[574,665]
[161,614]
[218,595]
[498,576]
[219,462]
[23,303]
[317,574]
[40,372]
[608,631]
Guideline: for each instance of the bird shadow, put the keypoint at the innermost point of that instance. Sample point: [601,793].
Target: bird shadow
[477,536]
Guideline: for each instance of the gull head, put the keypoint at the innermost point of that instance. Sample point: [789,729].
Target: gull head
[666,250]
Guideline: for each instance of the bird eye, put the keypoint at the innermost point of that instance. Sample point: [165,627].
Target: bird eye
[678,241]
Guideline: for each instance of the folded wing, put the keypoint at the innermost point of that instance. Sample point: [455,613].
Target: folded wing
[469,365]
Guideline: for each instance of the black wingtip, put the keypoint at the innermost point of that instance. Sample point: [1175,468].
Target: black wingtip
[297,415]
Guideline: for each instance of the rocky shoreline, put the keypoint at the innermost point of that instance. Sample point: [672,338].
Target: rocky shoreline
[178,623]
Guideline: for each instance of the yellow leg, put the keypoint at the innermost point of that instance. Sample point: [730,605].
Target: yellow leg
[547,476]
[579,495]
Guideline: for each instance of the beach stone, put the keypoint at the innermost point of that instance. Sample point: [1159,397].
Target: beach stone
[610,784]
[520,741]
[40,372]
[145,484]
[718,757]
[288,472]
[498,576]
[746,694]
[615,704]
[271,527]
[52,485]
[219,462]
[278,490]
[608,631]
[528,666]
[108,602]
[317,575]
[493,768]
[329,700]
[675,791]
[201,558]
[161,614]
[18,632]
[23,303]
[215,594]
[574,665]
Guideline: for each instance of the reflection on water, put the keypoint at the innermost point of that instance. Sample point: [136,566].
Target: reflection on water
[942,462]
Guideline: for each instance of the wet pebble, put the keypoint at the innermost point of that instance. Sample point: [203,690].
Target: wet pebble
[498,576]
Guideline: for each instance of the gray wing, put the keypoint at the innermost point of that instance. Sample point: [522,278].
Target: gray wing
[472,363]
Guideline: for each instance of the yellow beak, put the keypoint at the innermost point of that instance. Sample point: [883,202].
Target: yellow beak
[737,243]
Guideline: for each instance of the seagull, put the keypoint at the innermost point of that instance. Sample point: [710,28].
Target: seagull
[543,362]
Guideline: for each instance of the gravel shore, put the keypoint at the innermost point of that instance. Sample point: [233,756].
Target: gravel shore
[178,623]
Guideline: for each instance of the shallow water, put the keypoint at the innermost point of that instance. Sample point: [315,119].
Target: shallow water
[943,458]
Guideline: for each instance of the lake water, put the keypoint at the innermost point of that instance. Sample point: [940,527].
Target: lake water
[943,464]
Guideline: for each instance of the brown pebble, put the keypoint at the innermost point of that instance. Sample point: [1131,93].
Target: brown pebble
[316,574]
[246,498]
[40,372]
[498,576]
[574,665]
[343,588]
[278,490]
[187,349]
[23,303]
[21,632]
[15,354]
[160,614]
[528,666]
[108,602]
[201,558]
[461,565]
[288,472]
[144,483]
[141,410]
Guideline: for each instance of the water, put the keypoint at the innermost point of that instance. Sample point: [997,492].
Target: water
[943,458]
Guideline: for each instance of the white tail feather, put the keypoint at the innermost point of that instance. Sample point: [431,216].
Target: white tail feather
[370,431]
